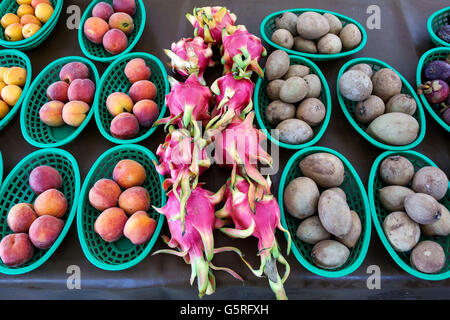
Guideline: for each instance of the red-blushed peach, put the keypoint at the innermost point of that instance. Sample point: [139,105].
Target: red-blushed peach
[129,173]
[124,126]
[136,69]
[127,6]
[74,112]
[58,91]
[74,70]
[51,202]
[115,41]
[118,102]
[29,18]
[34,3]
[103,10]
[139,228]
[51,113]
[110,223]
[134,199]
[43,178]
[81,90]
[11,94]
[142,89]
[104,194]
[122,21]
[16,249]
[146,111]
[45,230]
[20,217]
[95,29]
[43,12]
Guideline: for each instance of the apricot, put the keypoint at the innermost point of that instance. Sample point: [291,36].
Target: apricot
[16,249]
[136,69]
[45,230]
[4,109]
[142,89]
[95,29]
[118,102]
[8,19]
[2,85]
[29,30]
[11,94]
[74,70]
[51,202]
[29,18]
[20,217]
[58,91]
[115,41]
[102,10]
[110,223]
[129,173]
[43,178]
[127,6]
[34,3]
[15,75]
[139,228]
[81,90]
[124,126]
[51,113]
[2,72]
[146,111]
[13,32]
[122,21]
[74,112]
[104,194]
[134,199]
[43,12]
[24,9]
[19,2]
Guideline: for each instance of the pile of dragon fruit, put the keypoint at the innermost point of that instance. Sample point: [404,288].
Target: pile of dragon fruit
[225,113]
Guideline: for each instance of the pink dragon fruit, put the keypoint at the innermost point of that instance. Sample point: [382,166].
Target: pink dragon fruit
[190,55]
[241,52]
[208,22]
[196,243]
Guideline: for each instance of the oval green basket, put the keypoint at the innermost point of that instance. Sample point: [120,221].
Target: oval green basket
[96,51]
[261,102]
[356,199]
[15,58]
[379,214]
[268,27]
[121,254]
[33,129]
[439,53]
[434,22]
[27,44]
[348,107]
[114,80]
[15,189]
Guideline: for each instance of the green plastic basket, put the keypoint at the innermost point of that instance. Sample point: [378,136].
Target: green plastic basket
[33,129]
[15,58]
[27,44]
[356,199]
[96,51]
[261,102]
[114,80]
[348,107]
[268,27]
[15,189]
[439,53]
[434,22]
[379,214]
[121,254]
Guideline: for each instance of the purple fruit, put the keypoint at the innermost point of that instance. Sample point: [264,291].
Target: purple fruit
[437,69]
[446,115]
[103,10]
[435,91]
[444,33]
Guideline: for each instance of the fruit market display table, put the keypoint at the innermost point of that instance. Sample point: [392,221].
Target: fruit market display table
[400,42]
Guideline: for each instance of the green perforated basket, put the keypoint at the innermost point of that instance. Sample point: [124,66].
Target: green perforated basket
[261,102]
[268,27]
[10,6]
[33,129]
[379,214]
[434,22]
[15,189]
[348,107]
[439,53]
[15,58]
[356,199]
[121,254]
[96,51]
[114,80]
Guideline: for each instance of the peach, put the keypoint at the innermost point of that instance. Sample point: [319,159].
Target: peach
[19,2]
[15,75]
[30,30]
[43,178]
[104,194]
[51,113]
[142,89]
[136,69]
[11,94]
[129,173]
[24,9]
[4,109]
[127,6]
[29,18]
[34,3]
[16,249]
[118,102]
[115,41]
[74,70]
[45,230]
[124,126]
[58,91]
[139,228]
[95,29]
[134,199]
[51,202]
[43,12]
[74,112]
[20,217]
[102,10]
[8,19]
[13,32]
[122,21]
[110,223]
[146,111]
[81,90]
